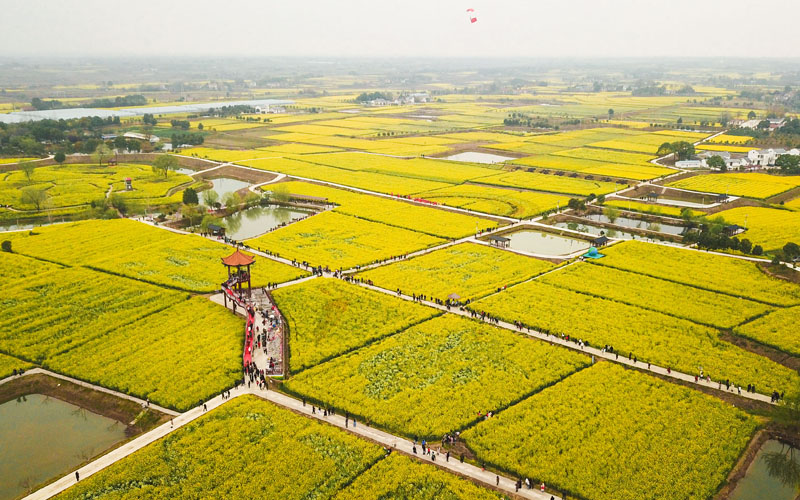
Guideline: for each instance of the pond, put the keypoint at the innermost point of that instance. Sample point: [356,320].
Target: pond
[542,243]
[185,171]
[637,223]
[254,221]
[225,185]
[476,157]
[44,437]
[757,484]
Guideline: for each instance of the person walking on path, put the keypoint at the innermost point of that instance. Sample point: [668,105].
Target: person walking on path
[497,481]
[77,476]
[205,408]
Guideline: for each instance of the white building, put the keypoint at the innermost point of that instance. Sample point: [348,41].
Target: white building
[690,164]
[135,135]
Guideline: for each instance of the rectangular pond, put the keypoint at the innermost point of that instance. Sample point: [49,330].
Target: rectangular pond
[44,437]
[637,223]
[757,484]
[475,157]
[255,221]
[543,243]
[225,185]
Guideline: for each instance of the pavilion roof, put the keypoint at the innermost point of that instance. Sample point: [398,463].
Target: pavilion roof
[238,258]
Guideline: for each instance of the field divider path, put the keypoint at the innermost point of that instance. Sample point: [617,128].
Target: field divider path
[122,395]
[592,351]
[398,444]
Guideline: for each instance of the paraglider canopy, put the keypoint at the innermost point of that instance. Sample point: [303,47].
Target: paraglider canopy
[473,18]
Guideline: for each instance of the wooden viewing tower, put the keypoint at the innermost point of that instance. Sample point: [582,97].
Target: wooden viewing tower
[237,278]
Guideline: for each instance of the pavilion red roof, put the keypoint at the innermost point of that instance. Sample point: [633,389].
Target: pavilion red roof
[238,258]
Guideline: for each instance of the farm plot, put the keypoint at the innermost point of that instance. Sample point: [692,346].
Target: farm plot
[599,168]
[717,273]
[424,219]
[648,208]
[220,454]
[647,335]
[9,363]
[370,181]
[609,433]
[328,317]
[183,354]
[341,241]
[723,147]
[227,155]
[552,183]
[470,270]
[682,301]
[185,262]
[402,478]
[419,168]
[52,312]
[751,185]
[777,329]
[437,376]
[769,227]
[498,201]
[70,185]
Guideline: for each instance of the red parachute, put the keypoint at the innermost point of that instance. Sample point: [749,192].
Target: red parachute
[473,18]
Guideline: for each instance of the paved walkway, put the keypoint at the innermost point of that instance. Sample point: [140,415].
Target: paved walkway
[98,388]
[383,438]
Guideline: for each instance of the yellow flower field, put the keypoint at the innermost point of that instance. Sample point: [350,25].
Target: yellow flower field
[436,376]
[221,454]
[73,184]
[470,270]
[328,317]
[176,357]
[552,183]
[6,161]
[777,329]
[649,335]
[682,301]
[498,201]
[9,363]
[730,139]
[381,183]
[225,155]
[723,147]
[648,208]
[736,277]
[769,227]
[599,168]
[402,478]
[751,185]
[609,433]
[139,251]
[419,168]
[342,241]
[424,219]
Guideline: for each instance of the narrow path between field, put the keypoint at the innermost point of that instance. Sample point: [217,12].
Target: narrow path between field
[122,395]
[398,444]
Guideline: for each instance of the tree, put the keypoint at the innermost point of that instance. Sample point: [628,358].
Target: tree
[60,157]
[6,246]
[208,220]
[149,119]
[27,169]
[745,245]
[789,164]
[751,115]
[757,250]
[232,200]
[763,124]
[610,113]
[665,149]
[200,126]
[33,196]
[611,213]
[101,153]
[120,142]
[193,213]
[717,162]
[190,197]
[791,251]
[165,163]
[252,199]
[133,145]
[280,193]
[211,198]
[683,150]
[118,202]
[680,120]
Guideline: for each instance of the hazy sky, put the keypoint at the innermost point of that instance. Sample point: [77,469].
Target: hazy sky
[505,28]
